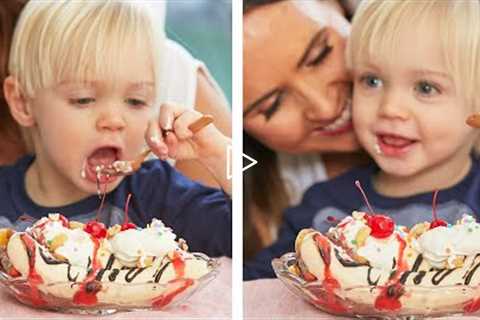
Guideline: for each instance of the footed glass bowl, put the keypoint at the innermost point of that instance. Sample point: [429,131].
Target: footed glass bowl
[417,302]
[169,294]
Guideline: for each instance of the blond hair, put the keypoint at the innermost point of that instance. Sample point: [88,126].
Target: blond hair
[378,25]
[57,40]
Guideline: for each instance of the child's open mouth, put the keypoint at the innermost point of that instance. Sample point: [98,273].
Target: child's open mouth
[99,158]
[394,145]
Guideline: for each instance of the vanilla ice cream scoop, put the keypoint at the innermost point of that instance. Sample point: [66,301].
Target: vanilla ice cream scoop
[133,244]
[443,246]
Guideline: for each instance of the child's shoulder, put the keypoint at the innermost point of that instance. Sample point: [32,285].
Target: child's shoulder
[16,170]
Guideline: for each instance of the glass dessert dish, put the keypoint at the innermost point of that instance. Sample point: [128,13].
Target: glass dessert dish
[169,294]
[417,301]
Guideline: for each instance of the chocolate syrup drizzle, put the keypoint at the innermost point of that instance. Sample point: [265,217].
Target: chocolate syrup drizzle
[437,278]
[132,273]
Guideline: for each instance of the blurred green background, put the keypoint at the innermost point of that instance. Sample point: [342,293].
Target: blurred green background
[204,28]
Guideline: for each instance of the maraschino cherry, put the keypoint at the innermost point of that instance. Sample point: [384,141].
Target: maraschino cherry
[94,227]
[436,222]
[127,225]
[381,226]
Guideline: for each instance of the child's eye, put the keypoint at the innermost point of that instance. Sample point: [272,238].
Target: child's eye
[82,102]
[426,88]
[371,81]
[135,102]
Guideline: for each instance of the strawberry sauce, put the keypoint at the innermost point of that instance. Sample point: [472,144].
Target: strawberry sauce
[34,279]
[472,306]
[389,297]
[327,297]
[164,300]
[178,265]
[87,294]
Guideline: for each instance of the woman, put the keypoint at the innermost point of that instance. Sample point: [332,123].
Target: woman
[296,107]
[188,83]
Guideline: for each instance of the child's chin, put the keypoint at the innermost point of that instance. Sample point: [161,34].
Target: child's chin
[92,188]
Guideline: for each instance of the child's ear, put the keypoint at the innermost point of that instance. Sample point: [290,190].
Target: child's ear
[18,104]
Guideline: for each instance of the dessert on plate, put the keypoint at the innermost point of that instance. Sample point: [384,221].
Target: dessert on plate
[367,265]
[62,263]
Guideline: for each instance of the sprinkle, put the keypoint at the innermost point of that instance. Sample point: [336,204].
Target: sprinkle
[354,241]
[470,230]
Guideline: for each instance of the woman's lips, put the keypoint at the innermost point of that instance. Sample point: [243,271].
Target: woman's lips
[347,127]
[340,125]
[393,145]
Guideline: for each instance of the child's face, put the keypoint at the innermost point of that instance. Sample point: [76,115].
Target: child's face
[80,125]
[406,110]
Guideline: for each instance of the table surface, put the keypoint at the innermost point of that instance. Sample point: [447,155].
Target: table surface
[270,299]
[212,301]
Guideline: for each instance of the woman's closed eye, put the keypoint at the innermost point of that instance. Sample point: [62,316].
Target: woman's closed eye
[317,50]
[273,104]
[319,54]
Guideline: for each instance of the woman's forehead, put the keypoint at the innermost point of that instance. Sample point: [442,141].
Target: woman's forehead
[327,13]
[266,20]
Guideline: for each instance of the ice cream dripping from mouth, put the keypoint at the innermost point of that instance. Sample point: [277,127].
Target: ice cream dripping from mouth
[93,166]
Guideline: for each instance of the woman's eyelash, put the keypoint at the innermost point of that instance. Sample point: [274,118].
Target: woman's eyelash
[321,56]
[274,107]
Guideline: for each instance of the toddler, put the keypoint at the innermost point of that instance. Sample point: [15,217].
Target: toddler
[84,84]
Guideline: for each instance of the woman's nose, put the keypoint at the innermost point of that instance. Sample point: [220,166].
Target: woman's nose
[110,119]
[321,103]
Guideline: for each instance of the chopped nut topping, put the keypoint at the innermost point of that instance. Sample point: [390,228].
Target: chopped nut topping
[57,241]
[76,225]
[113,230]
[5,235]
[362,236]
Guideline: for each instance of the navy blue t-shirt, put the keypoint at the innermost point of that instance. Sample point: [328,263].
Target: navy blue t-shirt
[200,215]
[339,197]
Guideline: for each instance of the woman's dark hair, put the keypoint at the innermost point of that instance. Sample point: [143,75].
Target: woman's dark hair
[10,136]
[263,193]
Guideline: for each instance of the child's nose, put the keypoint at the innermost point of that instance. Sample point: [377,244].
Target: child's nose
[110,120]
[393,105]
